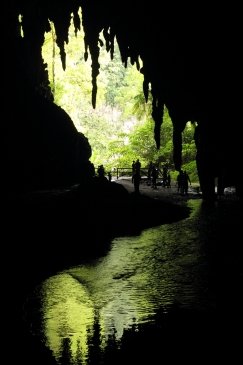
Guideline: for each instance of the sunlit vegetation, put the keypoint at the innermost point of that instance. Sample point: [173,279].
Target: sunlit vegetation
[120,128]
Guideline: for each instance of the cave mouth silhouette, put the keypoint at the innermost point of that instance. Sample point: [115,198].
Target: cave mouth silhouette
[177,62]
[72,90]
[44,150]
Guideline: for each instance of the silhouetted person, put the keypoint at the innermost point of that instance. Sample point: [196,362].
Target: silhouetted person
[109,176]
[164,176]
[185,181]
[180,182]
[133,170]
[168,184]
[101,172]
[136,181]
[154,175]
[150,167]
[138,166]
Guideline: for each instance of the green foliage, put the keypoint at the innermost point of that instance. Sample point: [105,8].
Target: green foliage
[120,129]
[189,147]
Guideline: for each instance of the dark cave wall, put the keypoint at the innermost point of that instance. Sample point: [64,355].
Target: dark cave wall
[43,148]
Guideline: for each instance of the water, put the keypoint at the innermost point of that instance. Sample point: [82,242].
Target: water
[85,308]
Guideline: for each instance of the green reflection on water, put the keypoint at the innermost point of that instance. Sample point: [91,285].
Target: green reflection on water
[68,312]
[86,305]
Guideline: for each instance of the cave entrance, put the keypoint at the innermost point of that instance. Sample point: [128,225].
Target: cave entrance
[109,124]
[120,128]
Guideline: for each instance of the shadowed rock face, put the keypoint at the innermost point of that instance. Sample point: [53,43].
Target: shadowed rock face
[44,148]
[176,45]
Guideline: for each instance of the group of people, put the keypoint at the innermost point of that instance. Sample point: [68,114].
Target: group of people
[183,179]
[153,174]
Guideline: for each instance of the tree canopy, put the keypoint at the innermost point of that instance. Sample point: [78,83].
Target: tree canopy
[120,128]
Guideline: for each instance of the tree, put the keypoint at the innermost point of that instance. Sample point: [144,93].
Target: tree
[120,128]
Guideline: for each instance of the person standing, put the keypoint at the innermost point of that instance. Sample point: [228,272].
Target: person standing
[186,180]
[133,170]
[150,169]
[180,179]
[138,166]
[137,176]
[136,181]
[154,175]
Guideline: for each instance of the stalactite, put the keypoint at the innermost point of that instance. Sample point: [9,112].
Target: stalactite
[177,148]
[139,33]
[92,44]
[157,114]
[178,127]
[62,23]
[145,89]
[76,21]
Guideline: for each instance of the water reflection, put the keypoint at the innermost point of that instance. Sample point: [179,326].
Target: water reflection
[87,306]
[68,316]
